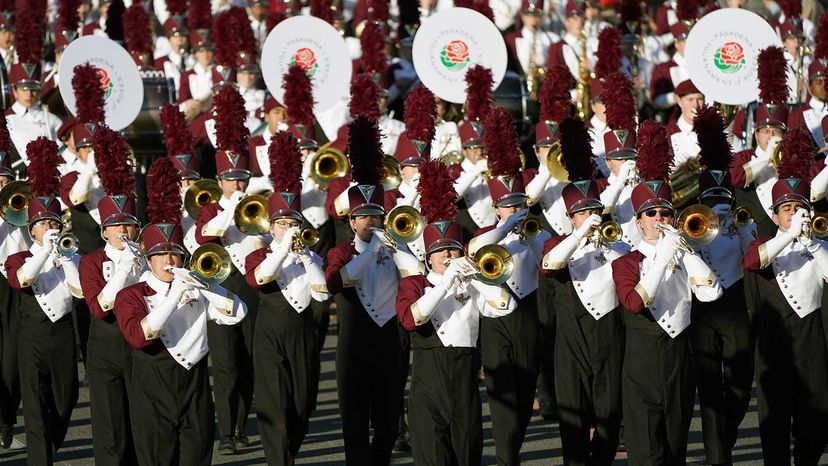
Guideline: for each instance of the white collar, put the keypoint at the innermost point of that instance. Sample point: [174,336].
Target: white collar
[267,135]
[20,110]
[527,34]
[201,69]
[597,124]
[434,278]
[360,245]
[817,104]
[112,253]
[683,125]
[159,286]
[646,248]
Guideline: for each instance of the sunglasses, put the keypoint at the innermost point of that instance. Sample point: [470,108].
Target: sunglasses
[662,212]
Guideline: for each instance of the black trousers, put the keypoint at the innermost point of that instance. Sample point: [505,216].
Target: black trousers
[48,380]
[444,408]
[109,371]
[547,318]
[286,362]
[510,348]
[658,392]
[9,374]
[723,356]
[172,410]
[367,379]
[231,351]
[589,356]
[792,378]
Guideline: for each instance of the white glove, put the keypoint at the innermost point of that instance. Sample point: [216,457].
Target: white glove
[591,222]
[769,150]
[158,317]
[481,165]
[624,172]
[287,241]
[49,238]
[799,219]
[236,197]
[721,210]
[452,273]
[516,218]
[358,266]
[89,166]
[126,259]
[666,247]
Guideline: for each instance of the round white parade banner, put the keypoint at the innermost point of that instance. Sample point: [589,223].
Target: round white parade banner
[317,47]
[721,53]
[452,41]
[120,80]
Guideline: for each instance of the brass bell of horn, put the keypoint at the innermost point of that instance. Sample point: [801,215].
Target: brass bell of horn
[494,264]
[14,203]
[327,165]
[210,264]
[251,216]
[610,232]
[199,194]
[404,224]
[393,174]
[66,244]
[741,217]
[698,225]
[554,163]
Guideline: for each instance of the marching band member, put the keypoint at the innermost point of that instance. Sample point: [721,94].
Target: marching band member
[275,117]
[195,85]
[790,267]
[178,60]
[247,73]
[684,141]
[285,353]
[656,284]
[47,281]
[811,115]
[26,121]
[589,348]
[475,208]
[103,273]
[510,345]
[13,239]
[179,144]
[446,142]
[232,344]
[753,172]
[621,152]
[569,50]
[7,36]
[441,310]
[164,318]
[363,276]
[668,75]
[598,125]
[720,334]
[529,46]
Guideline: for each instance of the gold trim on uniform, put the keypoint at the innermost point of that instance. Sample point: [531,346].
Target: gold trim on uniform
[643,294]
[323,288]
[502,302]
[206,232]
[347,282]
[764,260]
[22,279]
[76,292]
[262,279]
[703,281]
[748,174]
[419,318]
[149,333]
[105,305]
[76,199]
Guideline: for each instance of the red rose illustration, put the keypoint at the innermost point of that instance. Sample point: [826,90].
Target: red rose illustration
[305,58]
[458,51]
[732,53]
[104,77]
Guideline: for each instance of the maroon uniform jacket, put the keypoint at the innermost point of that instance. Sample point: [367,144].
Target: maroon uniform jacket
[206,214]
[626,270]
[661,82]
[92,282]
[130,310]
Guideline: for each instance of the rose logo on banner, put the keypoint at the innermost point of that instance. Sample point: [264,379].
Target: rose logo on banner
[106,83]
[730,58]
[455,55]
[306,60]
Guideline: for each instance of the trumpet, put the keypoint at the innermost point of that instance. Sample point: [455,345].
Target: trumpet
[698,225]
[251,216]
[494,264]
[66,244]
[818,226]
[530,227]
[327,165]
[609,232]
[14,203]
[393,176]
[135,249]
[199,194]
[404,224]
[305,238]
[741,217]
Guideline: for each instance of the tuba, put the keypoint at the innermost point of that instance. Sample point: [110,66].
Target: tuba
[14,203]
[404,224]
[210,264]
[251,215]
[327,165]
[199,194]
[684,182]
[494,264]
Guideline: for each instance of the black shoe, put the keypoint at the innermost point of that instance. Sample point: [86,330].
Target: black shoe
[549,411]
[227,446]
[242,441]
[6,436]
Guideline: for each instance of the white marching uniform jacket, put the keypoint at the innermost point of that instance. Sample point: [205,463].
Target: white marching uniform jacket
[477,197]
[27,124]
[53,287]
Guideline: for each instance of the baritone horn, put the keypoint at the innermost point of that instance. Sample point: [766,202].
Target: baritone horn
[494,264]
[404,224]
[251,216]
[199,194]
[210,264]
[14,203]
[327,165]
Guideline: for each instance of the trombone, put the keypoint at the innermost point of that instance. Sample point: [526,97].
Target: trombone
[494,264]
[697,226]
[327,165]
[135,249]
[199,194]
[14,203]
[209,265]
[251,215]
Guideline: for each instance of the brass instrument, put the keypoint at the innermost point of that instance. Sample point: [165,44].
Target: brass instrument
[583,105]
[776,156]
[251,215]
[494,264]
[210,264]
[610,232]
[800,71]
[530,227]
[741,217]
[453,158]
[535,73]
[728,111]
[393,175]
[684,181]
[554,163]
[135,249]
[327,165]
[66,244]
[14,203]
[199,194]
[682,243]
[698,225]
[404,224]
[305,238]
[818,226]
